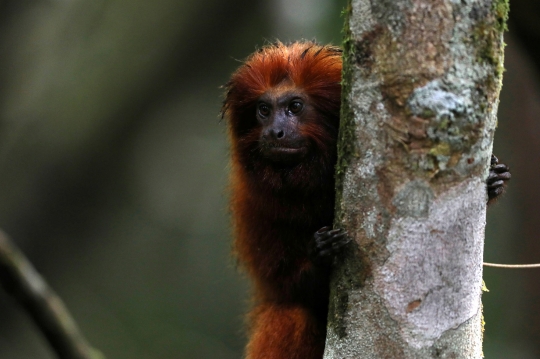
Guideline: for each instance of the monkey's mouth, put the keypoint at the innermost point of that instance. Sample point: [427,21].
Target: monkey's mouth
[284,154]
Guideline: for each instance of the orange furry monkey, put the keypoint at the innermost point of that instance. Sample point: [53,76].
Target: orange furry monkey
[282,107]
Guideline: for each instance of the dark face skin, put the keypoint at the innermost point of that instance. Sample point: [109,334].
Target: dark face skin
[281,112]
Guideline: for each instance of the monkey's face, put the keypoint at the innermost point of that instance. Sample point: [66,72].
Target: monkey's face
[282,108]
[282,112]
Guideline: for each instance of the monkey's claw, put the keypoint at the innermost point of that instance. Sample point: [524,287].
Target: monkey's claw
[329,242]
[499,174]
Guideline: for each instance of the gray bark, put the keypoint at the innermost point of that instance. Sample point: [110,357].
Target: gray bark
[420,96]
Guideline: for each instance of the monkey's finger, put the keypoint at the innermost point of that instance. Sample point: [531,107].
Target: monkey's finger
[500,168]
[335,248]
[495,177]
[495,184]
[492,175]
[323,229]
[323,236]
[333,234]
[494,192]
[505,175]
[329,242]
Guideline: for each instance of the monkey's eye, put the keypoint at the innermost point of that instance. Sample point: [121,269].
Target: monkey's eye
[264,110]
[295,107]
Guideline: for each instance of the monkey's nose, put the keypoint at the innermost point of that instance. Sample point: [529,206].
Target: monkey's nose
[278,134]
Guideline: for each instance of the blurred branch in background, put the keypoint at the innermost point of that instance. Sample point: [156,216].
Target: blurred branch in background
[19,278]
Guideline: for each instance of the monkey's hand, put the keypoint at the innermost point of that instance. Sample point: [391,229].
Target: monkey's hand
[328,243]
[499,174]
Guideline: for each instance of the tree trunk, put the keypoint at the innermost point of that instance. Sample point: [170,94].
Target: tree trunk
[420,93]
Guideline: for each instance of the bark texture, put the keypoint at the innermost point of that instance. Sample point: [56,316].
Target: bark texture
[420,94]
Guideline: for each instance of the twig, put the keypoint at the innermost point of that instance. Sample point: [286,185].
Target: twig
[18,277]
[512,266]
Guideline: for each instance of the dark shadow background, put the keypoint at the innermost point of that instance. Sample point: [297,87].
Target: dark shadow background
[113,169]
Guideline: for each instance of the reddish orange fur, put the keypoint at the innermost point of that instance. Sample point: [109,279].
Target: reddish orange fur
[277,209]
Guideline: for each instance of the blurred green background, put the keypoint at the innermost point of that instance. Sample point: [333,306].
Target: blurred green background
[113,169]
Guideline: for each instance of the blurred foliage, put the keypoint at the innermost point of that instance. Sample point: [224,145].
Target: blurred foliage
[113,170]
[113,164]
